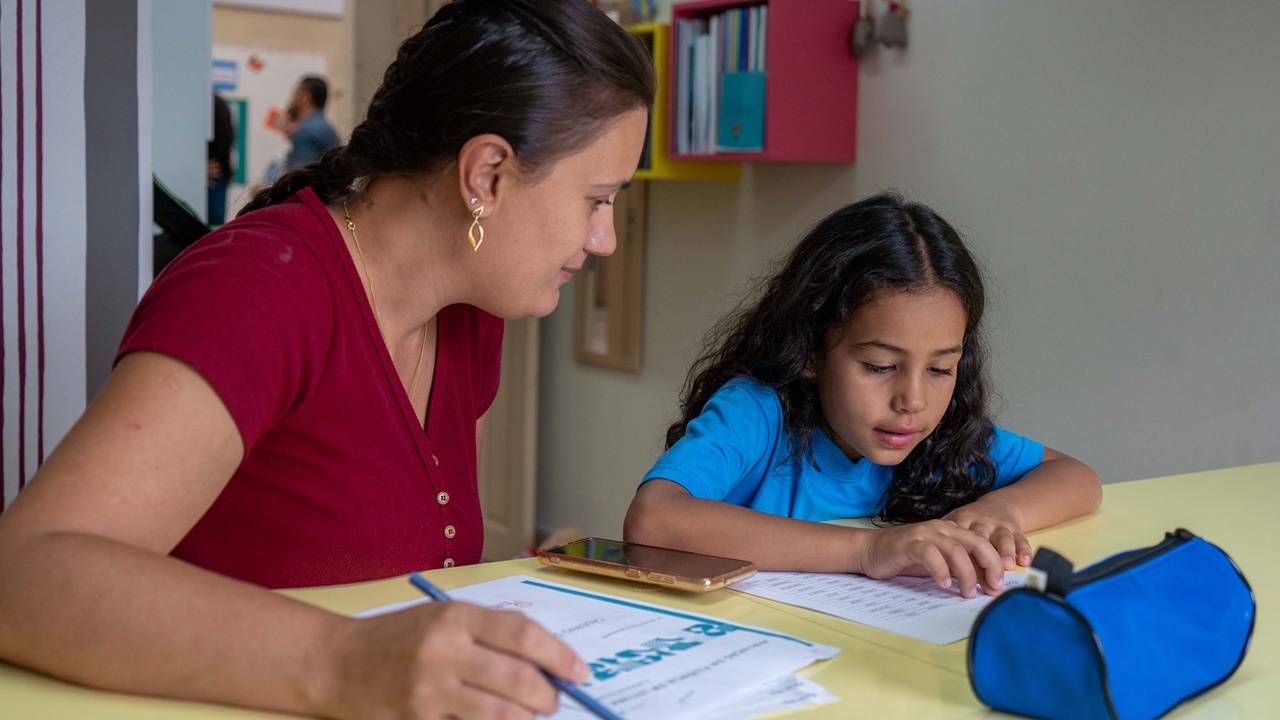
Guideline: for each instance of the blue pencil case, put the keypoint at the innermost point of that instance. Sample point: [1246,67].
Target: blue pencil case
[1130,637]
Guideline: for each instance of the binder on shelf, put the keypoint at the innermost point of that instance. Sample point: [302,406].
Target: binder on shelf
[741,126]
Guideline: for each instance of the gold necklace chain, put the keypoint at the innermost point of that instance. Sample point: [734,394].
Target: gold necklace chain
[373,302]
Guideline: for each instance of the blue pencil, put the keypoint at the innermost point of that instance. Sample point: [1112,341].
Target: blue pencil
[561,684]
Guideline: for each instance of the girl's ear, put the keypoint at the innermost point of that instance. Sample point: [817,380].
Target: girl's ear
[810,370]
[814,366]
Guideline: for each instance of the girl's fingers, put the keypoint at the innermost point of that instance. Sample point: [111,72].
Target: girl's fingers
[985,556]
[1024,549]
[931,559]
[961,564]
[1005,544]
[916,570]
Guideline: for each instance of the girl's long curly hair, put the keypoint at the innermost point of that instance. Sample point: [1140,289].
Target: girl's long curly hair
[881,243]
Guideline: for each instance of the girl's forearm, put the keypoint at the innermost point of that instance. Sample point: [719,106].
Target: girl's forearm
[1060,489]
[665,515]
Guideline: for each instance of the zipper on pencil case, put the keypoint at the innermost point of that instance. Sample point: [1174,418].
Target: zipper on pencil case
[1053,574]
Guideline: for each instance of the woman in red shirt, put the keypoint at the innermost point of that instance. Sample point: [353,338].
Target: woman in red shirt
[298,398]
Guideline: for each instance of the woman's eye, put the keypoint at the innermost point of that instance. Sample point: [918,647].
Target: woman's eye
[596,203]
[942,371]
[877,369]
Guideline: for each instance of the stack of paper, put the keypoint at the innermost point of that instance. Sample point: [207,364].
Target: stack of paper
[650,661]
[909,606]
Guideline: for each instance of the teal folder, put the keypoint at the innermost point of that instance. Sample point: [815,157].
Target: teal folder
[741,122]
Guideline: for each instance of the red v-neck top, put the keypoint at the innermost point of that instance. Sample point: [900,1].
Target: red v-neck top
[339,482]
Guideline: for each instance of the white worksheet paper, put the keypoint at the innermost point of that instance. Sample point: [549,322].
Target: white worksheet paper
[909,606]
[790,693]
[649,661]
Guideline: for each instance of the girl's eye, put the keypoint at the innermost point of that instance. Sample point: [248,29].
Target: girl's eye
[596,203]
[877,369]
[942,371]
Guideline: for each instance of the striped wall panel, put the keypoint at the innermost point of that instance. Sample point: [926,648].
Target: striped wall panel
[42,230]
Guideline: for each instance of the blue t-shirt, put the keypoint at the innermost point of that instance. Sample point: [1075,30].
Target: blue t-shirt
[738,451]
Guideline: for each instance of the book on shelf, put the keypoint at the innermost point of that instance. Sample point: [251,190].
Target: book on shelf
[741,122]
[720,81]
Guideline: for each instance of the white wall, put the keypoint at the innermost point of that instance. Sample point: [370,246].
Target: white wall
[1116,165]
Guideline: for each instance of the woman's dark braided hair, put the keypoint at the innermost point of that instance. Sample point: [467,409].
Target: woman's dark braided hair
[880,243]
[545,75]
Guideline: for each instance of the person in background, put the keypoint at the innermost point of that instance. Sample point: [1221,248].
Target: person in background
[219,168]
[309,131]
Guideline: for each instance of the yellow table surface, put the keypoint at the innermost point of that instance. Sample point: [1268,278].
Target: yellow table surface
[876,673]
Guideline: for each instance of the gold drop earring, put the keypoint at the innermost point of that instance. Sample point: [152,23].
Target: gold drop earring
[475,233]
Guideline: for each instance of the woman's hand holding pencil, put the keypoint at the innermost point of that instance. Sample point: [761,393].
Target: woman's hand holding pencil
[445,660]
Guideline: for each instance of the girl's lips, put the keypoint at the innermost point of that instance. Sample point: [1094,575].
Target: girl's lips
[896,439]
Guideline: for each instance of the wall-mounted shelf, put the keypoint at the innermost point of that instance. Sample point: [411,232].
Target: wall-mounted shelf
[657,163]
[811,80]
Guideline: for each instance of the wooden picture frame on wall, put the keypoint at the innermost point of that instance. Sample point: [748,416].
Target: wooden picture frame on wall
[609,291]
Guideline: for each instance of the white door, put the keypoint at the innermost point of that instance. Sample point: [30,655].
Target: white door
[508,457]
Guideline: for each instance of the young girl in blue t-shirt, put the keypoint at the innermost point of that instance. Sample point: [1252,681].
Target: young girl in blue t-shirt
[854,386]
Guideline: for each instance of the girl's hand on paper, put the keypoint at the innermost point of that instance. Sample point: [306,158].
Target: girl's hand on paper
[937,548]
[444,660]
[997,523]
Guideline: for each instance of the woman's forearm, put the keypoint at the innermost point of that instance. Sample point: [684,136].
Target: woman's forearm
[106,614]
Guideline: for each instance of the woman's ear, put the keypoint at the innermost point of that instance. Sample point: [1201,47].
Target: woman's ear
[486,164]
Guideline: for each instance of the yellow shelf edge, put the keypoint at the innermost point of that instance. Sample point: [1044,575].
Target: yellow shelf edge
[661,166]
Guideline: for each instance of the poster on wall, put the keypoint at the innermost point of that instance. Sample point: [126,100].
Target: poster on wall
[257,84]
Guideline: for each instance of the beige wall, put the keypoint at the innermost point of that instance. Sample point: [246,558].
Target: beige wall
[327,36]
[1116,165]
[379,26]
[358,46]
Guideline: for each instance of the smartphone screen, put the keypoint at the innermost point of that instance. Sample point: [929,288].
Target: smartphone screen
[647,557]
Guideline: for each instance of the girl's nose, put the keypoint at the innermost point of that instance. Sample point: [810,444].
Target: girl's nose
[910,397]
